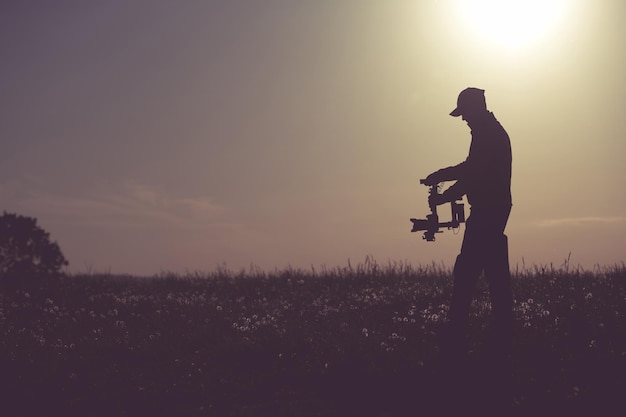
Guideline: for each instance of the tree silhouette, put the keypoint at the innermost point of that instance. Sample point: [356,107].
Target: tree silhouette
[26,250]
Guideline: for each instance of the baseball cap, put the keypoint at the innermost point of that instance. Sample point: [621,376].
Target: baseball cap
[469,98]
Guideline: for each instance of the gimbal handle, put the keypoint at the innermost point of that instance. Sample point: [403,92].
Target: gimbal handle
[434,190]
[431,224]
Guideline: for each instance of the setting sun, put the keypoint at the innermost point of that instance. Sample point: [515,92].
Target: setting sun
[512,23]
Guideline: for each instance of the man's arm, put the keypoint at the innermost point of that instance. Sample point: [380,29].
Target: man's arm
[453,193]
[446,174]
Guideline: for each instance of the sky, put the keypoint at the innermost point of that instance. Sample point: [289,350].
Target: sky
[182,136]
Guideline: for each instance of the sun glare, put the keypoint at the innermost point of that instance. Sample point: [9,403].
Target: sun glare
[512,23]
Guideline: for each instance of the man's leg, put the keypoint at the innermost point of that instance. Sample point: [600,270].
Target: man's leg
[498,276]
[455,374]
[497,370]
[467,268]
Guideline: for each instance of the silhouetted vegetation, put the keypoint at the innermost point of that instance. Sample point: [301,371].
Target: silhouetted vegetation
[351,341]
[26,251]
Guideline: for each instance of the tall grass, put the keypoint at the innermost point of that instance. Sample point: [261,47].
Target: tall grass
[294,342]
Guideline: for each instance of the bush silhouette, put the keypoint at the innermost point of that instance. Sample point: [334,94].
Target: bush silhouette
[25,249]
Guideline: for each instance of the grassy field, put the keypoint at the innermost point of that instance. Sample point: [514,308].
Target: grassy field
[353,341]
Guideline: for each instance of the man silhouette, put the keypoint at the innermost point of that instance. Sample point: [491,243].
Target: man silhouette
[485,177]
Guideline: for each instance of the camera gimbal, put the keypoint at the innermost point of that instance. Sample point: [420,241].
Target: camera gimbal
[431,223]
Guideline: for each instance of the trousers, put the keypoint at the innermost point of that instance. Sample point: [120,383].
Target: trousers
[484,249]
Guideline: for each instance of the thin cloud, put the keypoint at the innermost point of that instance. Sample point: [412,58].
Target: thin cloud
[128,205]
[580,221]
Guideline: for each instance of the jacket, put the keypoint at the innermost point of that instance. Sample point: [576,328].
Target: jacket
[485,176]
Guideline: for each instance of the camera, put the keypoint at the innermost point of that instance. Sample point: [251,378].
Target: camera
[431,225]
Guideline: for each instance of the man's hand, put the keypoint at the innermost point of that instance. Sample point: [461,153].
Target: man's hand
[436,200]
[432,179]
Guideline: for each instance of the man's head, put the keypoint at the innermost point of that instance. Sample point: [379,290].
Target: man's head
[471,102]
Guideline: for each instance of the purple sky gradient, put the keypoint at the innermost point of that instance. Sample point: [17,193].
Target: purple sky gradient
[151,136]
